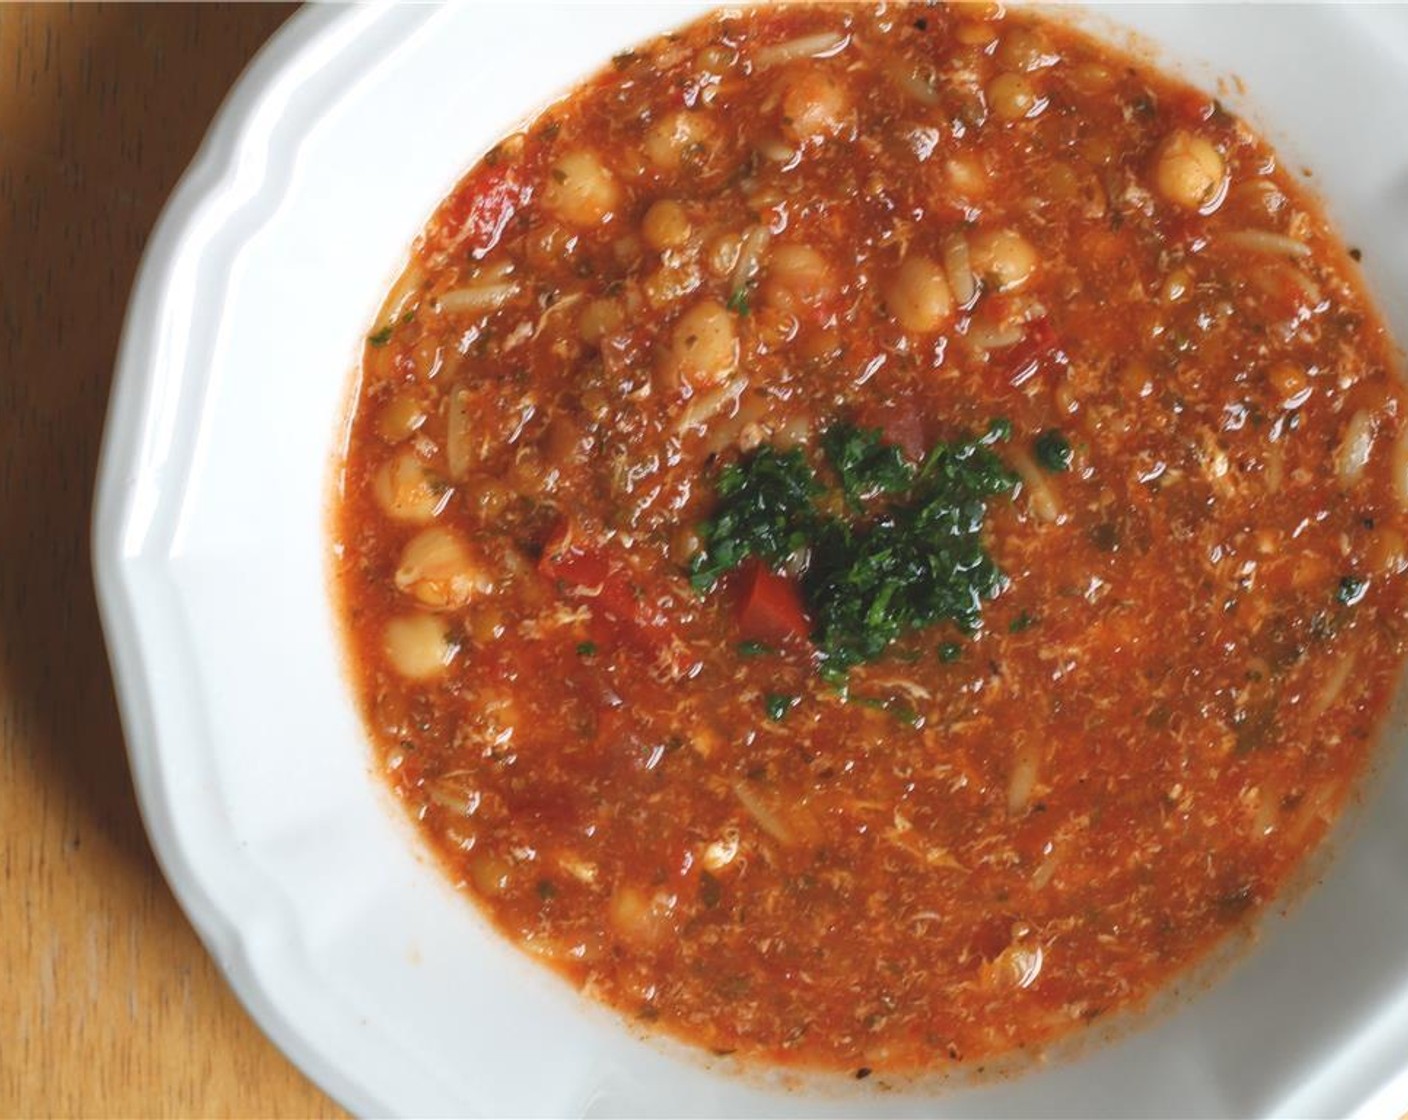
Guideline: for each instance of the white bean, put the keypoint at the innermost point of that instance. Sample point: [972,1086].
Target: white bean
[918,297]
[581,190]
[407,490]
[418,646]
[438,569]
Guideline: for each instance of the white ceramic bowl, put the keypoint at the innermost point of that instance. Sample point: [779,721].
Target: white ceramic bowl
[210,542]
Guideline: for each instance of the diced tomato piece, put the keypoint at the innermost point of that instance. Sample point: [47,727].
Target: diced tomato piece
[479,212]
[770,607]
[600,576]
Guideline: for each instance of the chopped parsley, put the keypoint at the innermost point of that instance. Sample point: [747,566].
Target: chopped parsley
[383,336]
[738,301]
[1023,621]
[1053,451]
[918,563]
[586,649]
[866,464]
[1351,590]
[912,556]
[778,705]
[751,648]
[950,652]
[765,510]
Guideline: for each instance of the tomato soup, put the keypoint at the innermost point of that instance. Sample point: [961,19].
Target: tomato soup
[872,536]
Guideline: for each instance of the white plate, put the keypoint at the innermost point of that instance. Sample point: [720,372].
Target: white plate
[210,554]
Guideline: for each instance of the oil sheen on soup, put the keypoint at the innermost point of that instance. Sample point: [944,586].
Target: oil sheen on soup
[872,537]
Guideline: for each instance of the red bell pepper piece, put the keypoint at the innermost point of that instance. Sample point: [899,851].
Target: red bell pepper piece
[769,607]
[477,214]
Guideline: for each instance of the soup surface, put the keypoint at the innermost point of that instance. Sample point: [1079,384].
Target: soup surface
[872,537]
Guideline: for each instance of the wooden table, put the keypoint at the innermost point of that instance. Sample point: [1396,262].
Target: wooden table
[108,1004]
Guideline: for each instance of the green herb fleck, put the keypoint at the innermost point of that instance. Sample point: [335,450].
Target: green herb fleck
[383,336]
[765,510]
[1053,451]
[866,464]
[1022,622]
[738,301]
[949,652]
[752,648]
[778,705]
[586,649]
[1351,590]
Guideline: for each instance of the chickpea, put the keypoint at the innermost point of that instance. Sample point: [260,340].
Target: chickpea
[400,418]
[918,297]
[599,318]
[1012,97]
[639,918]
[1024,49]
[681,137]
[1003,258]
[721,254]
[418,646]
[1189,172]
[815,105]
[666,226]
[581,190]
[798,277]
[703,349]
[967,177]
[489,873]
[438,570]
[975,34]
[406,490]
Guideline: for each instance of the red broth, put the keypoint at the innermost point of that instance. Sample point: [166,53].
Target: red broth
[901,223]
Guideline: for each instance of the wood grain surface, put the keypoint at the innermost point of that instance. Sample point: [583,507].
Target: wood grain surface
[108,1004]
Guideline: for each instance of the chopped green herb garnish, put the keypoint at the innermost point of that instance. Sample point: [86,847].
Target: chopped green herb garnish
[752,648]
[778,705]
[765,511]
[1023,621]
[915,561]
[1053,451]
[586,649]
[950,652]
[1351,590]
[998,430]
[738,301]
[866,464]
[383,336]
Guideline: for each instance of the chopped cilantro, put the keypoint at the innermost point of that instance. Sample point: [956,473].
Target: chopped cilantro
[1351,590]
[912,562]
[738,301]
[765,511]
[1053,451]
[1023,621]
[752,648]
[586,649]
[866,464]
[778,705]
[998,430]
[950,652]
[919,563]
[383,336]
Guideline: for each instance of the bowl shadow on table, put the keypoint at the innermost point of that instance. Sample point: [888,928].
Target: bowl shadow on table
[83,177]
